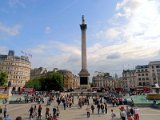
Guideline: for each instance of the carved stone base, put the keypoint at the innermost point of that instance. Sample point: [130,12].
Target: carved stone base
[84,73]
[84,86]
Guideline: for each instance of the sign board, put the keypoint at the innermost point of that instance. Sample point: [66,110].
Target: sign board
[4,96]
[153,96]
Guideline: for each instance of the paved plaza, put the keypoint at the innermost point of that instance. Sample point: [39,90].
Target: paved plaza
[75,113]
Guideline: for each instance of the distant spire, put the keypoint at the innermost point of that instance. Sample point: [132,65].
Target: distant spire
[83,20]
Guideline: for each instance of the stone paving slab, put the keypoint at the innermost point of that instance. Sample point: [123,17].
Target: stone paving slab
[75,113]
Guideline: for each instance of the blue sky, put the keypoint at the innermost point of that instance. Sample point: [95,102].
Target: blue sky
[120,34]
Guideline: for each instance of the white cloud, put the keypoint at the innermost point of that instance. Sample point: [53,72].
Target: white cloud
[135,35]
[112,33]
[138,25]
[56,54]
[48,30]
[109,34]
[12,31]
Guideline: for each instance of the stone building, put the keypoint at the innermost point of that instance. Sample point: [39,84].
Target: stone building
[154,70]
[17,68]
[70,80]
[142,76]
[119,83]
[103,80]
[129,79]
[38,73]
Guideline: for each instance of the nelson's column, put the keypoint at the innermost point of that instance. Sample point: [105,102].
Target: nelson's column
[84,74]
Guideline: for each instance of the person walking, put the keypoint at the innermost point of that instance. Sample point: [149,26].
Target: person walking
[88,109]
[102,108]
[47,112]
[31,112]
[92,108]
[64,104]
[123,113]
[5,111]
[39,112]
[98,107]
[35,113]
[136,114]
[54,111]
[105,107]
[113,115]
[0,110]
[58,111]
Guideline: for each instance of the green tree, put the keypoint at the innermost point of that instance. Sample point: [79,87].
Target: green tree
[29,84]
[3,78]
[36,84]
[53,81]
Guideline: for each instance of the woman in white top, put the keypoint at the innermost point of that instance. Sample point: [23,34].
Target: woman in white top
[136,114]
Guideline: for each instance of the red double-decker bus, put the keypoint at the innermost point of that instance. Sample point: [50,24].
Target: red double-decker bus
[27,90]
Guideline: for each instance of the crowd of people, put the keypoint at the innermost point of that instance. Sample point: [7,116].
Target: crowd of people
[94,105]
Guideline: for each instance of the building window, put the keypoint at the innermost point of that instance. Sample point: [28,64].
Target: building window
[147,83]
[158,70]
[142,74]
[143,78]
[143,83]
[146,74]
[139,78]
[140,83]
[147,78]
[139,74]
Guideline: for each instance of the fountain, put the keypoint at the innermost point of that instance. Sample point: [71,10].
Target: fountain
[155,95]
[147,100]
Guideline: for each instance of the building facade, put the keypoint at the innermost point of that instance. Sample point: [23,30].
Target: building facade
[38,73]
[129,79]
[17,68]
[142,76]
[70,80]
[103,80]
[154,70]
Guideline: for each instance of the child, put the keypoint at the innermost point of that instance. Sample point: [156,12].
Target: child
[113,115]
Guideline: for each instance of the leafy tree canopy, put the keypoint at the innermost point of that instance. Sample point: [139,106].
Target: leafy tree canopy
[3,78]
[52,81]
